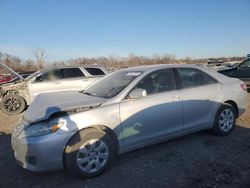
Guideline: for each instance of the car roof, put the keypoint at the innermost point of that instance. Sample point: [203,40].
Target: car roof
[210,71]
[70,66]
[77,66]
[145,68]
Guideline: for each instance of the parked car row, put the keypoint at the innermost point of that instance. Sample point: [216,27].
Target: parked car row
[241,71]
[17,95]
[126,110]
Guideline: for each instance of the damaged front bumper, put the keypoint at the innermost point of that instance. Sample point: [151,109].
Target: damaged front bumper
[38,153]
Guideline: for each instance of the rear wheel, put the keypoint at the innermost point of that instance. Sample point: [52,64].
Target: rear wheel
[89,153]
[225,120]
[13,104]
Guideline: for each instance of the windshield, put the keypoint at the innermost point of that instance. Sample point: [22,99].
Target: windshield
[113,84]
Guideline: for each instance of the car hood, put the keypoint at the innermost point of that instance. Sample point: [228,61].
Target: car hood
[45,105]
[11,70]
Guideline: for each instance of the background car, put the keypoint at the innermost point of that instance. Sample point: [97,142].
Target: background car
[241,71]
[15,96]
[129,109]
[6,78]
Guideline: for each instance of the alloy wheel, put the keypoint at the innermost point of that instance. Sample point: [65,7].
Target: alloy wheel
[11,104]
[92,155]
[226,119]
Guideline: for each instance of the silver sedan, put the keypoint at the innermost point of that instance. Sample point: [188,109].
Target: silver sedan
[129,109]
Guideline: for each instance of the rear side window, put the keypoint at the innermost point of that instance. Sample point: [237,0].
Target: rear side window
[209,79]
[191,77]
[71,73]
[95,71]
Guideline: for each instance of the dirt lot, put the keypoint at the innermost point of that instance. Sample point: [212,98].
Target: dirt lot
[197,160]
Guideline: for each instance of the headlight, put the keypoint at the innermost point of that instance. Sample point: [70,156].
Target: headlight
[43,128]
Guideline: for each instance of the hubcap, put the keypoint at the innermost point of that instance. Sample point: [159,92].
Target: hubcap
[92,155]
[226,120]
[12,104]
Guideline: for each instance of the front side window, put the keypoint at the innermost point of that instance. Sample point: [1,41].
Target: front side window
[191,77]
[94,71]
[113,84]
[245,65]
[157,82]
[50,75]
[71,73]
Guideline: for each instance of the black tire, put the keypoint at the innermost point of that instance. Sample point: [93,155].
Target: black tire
[79,139]
[13,104]
[217,128]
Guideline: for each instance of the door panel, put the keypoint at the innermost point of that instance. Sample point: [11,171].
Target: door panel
[243,71]
[200,105]
[44,87]
[48,81]
[77,84]
[150,118]
[74,84]
[200,93]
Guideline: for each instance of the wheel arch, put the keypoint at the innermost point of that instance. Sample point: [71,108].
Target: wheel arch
[101,128]
[234,105]
[16,92]
[110,132]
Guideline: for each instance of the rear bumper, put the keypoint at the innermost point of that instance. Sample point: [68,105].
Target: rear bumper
[242,103]
[241,111]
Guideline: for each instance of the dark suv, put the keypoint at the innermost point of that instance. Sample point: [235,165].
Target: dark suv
[241,71]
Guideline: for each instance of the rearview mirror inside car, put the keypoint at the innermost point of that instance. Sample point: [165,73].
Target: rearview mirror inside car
[137,93]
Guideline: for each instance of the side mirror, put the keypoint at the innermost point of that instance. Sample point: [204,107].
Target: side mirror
[137,93]
[39,78]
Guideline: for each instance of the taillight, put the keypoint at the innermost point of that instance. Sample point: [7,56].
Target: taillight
[243,86]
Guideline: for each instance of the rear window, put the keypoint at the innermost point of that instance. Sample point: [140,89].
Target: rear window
[94,71]
[72,73]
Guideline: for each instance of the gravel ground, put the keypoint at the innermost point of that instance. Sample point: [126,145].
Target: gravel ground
[197,160]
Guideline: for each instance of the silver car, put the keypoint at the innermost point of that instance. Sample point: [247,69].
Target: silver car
[128,109]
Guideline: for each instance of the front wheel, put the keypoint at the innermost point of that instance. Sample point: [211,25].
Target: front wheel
[225,120]
[13,104]
[89,153]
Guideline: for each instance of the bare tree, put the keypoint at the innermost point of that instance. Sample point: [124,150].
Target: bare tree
[40,56]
